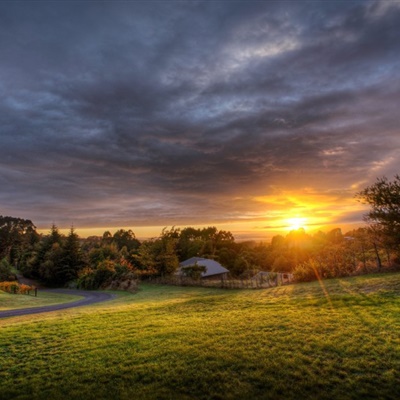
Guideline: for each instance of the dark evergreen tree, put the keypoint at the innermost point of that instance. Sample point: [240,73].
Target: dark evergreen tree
[40,261]
[72,260]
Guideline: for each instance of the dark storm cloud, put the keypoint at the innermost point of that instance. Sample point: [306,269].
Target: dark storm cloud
[162,112]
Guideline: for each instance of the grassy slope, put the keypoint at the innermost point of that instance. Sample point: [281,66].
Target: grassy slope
[13,301]
[298,341]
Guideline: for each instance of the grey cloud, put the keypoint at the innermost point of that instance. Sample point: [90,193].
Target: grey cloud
[183,105]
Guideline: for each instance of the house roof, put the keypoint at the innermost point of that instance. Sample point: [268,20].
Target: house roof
[212,267]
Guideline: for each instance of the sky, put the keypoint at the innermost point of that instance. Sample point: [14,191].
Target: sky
[252,116]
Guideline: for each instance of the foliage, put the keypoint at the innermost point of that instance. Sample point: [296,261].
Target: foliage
[103,273]
[94,278]
[384,216]
[57,260]
[15,287]
[160,254]
[308,271]
[72,259]
[6,273]
[205,242]
[17,235]
[105,252]
[50,266]
[194,271]
[127,239]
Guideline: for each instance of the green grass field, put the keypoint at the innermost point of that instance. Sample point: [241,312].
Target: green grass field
[304,341]
[13,301]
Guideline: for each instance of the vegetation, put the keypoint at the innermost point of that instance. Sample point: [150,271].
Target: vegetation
[6,271]
[95,262]
[336,339]
[193,271]
[17,236]
[15,287]
[384,216]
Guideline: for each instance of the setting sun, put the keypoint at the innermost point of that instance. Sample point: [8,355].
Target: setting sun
[296,223]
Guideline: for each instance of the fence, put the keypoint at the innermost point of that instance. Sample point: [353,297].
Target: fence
[262,280]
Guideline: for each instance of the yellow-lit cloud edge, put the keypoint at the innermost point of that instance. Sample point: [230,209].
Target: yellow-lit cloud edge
[277,213]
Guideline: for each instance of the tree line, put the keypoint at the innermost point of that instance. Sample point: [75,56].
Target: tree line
[57,259]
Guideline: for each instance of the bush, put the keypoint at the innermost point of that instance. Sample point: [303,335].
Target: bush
[5,271]
[194,271]
[92,279]
[307,271]
[127,281]
[103,274]
[15,287]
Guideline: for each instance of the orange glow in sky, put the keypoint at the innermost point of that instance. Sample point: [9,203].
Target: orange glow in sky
[270,215]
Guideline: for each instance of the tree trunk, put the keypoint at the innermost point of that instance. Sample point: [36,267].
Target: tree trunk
[378,259]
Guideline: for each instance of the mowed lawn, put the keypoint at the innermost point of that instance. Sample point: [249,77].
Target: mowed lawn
[339,340]
[12,301]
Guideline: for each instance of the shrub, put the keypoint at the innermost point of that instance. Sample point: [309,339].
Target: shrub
[127,281]
[5,271]
[92,279]
[307,271]
[194,271]
[106,270]
[15,287]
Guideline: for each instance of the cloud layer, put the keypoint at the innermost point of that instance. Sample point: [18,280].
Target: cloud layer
[160,113]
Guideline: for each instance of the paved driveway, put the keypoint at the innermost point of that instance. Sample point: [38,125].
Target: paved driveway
[89,297]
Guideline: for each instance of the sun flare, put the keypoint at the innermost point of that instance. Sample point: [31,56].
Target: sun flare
[296,223]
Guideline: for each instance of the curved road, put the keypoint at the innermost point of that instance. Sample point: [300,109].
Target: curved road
[89,297]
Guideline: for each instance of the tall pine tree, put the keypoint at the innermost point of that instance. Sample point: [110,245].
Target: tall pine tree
[72,259]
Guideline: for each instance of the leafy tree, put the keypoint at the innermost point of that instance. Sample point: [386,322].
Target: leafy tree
[190,243]
[307,271]
[107,237]
[166,257]
[206,242]
[360,243]
[227,256]
[93,278]
[335,236]
[261,253]
[144,260]
[105,252]
[194,271]
[278,242]
[240,266]
[159,256]
[282,264]
[123,238]
[16,234]
[384,216]
[6,273]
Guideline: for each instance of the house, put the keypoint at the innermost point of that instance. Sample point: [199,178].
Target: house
[214,270]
